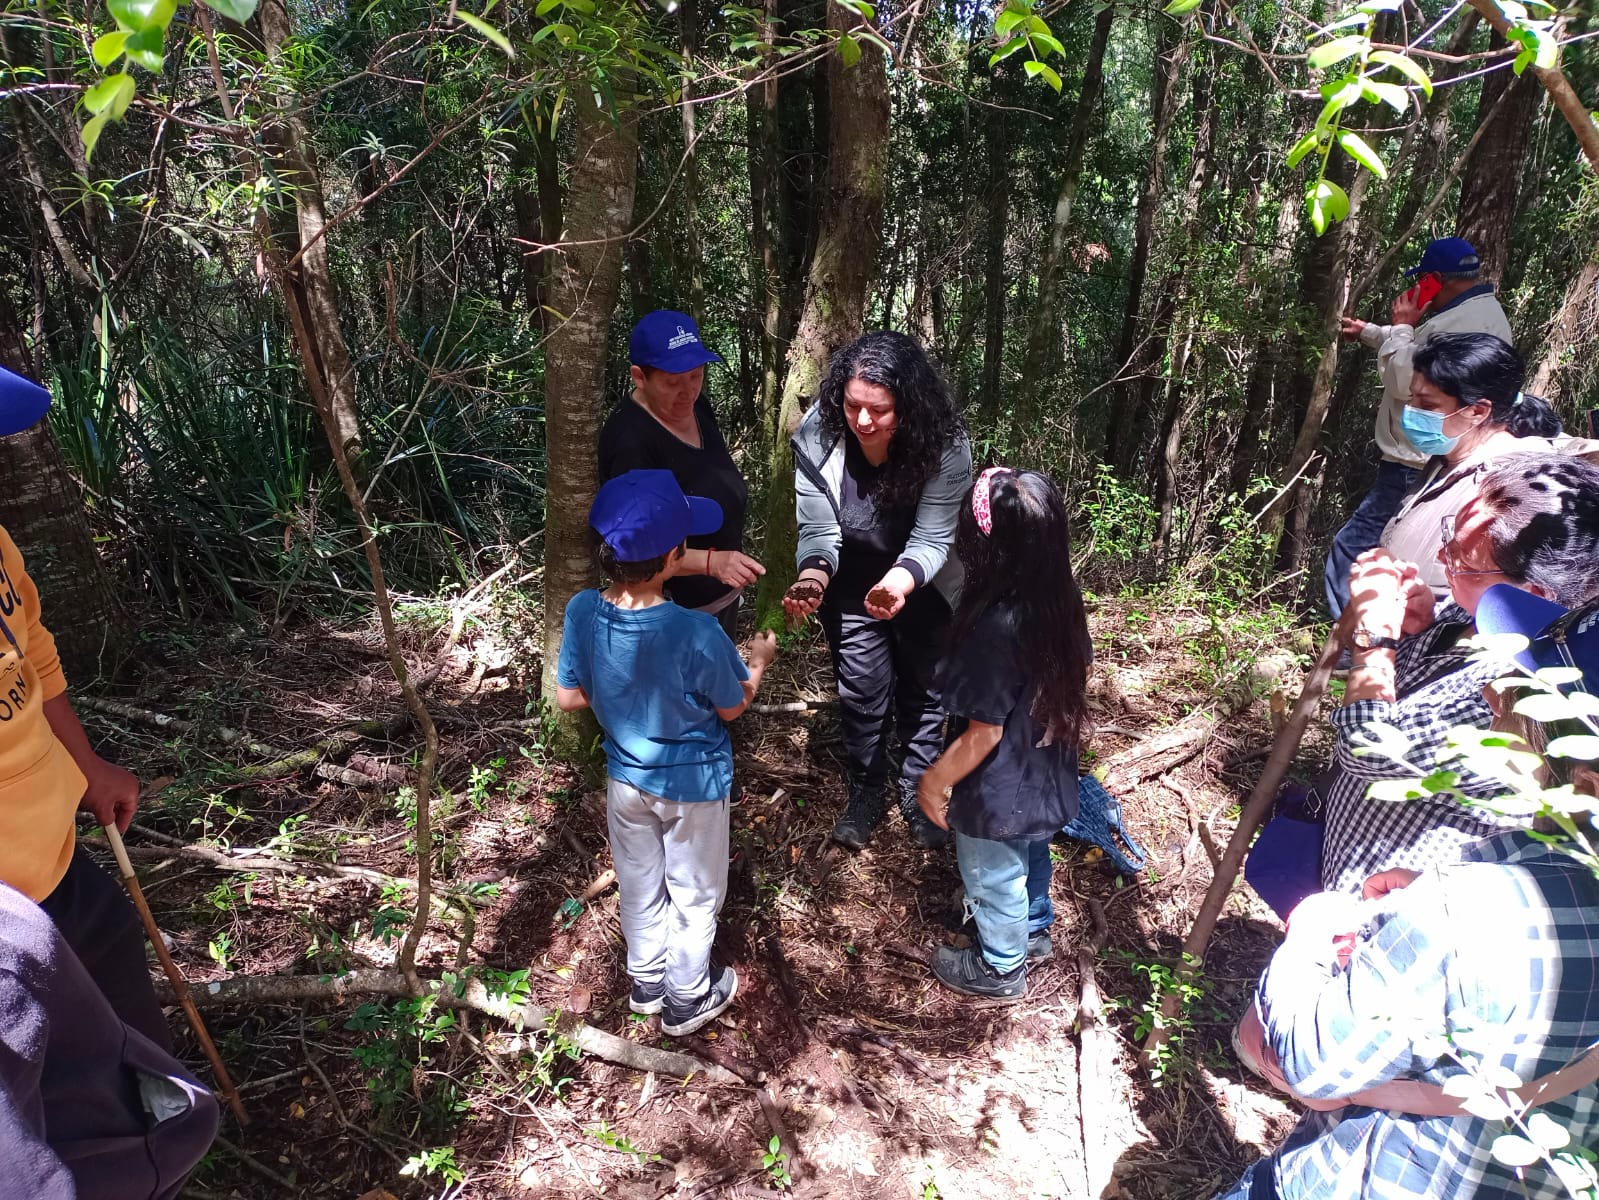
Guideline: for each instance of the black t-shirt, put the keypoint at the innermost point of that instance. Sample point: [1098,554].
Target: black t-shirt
[1022,791]
[633,440]
[872,538]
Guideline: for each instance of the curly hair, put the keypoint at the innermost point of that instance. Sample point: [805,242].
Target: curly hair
[1023,567]
[927,419]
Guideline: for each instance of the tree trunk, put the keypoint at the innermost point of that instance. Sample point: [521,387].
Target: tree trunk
[996,280]
[1266,368]
[1561,371]
[304,247]
[42,508]
[538,207]
[765,224]
[1121,431]
[689,25]
[848,242]
[1491,188]
[1045,330]
[1561,93]
[583,294]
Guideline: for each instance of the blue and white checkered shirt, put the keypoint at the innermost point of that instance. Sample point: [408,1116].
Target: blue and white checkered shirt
[1439,685]
[1501,948]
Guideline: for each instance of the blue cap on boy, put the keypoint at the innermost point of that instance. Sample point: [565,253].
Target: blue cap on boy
[643,514]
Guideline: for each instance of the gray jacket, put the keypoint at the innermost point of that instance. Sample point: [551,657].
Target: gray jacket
[818,485]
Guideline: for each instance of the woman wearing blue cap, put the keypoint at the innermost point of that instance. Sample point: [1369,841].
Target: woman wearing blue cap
[668,425]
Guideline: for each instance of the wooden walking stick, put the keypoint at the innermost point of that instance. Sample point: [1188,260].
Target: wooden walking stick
[1250,817]
[180,986]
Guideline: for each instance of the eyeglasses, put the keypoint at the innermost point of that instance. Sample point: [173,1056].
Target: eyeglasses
[1451,556]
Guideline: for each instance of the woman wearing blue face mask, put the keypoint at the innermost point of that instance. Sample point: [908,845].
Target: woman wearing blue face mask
[1466,411]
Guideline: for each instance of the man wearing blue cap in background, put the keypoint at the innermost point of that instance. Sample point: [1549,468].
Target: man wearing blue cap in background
[1454,298]
[668,425]
[661,679]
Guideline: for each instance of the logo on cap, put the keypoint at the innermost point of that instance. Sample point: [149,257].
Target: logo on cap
[682,338]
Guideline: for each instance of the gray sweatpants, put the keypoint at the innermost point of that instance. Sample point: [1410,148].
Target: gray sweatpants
[671,870]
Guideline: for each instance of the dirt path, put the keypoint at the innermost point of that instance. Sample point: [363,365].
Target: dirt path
[882,1083]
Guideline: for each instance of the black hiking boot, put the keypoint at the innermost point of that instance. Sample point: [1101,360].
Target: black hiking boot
[967,971]
[862,812]
[1039,946]
[923,832]
[647,1000]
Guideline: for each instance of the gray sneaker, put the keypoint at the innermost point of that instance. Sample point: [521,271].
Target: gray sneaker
[680,1021]
[647,1000]
[1039,946]
[967,971]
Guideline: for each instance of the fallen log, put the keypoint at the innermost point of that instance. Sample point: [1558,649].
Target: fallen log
[1093,1063]
[252,990]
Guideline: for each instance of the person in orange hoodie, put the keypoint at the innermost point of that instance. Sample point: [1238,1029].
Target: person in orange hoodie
[48,771]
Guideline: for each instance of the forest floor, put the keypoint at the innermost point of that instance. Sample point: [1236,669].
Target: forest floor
[882,1083]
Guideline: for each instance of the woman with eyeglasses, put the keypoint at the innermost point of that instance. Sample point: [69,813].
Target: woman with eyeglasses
[1533,523]
[1468,412]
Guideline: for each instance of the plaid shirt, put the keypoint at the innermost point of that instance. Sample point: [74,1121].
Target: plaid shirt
[1505,942]
[1439,685]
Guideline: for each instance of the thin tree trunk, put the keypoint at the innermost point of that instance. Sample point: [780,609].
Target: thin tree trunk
[1266,368]
[996,280]
[1491,187]
[1121,436]
[1045,330]
[689,25]
[1564,96]
[42,508]
[848,243]
[1575,325]
[538,207]
[305,252]
[583,293]
[767,285]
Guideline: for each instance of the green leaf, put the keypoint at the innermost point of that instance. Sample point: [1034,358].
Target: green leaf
[849,50]
[1515,1151]
[561,31]
[145,48]
[1178,7]
[111,96]
[108,47]
[1335,51]
[1007,50]
[1049,43]
[134,15]
[487,30]
[1523,61]
[1408,67]
[1575,745]
[1328,203]
[234,10]
[1036,69]
[1360,150]
[1545,706]
[1303,147]
[1546,1132]
[1390,94]
[1548,54]
[545,6]
[91,133]
[1008,20]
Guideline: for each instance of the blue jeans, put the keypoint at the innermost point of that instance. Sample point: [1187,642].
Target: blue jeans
[1007,894]
[1363,530]
[1256,1184]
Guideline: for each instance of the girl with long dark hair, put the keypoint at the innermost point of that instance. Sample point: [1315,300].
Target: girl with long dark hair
[881,463]
[1015,687]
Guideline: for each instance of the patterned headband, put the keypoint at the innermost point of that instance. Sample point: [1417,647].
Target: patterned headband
[980,490]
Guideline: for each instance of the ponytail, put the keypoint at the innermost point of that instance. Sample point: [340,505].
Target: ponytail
[1529,416]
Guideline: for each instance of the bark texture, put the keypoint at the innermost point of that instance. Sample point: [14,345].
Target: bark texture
[1491,189]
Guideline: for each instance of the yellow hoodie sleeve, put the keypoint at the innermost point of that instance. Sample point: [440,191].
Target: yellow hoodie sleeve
[39,644]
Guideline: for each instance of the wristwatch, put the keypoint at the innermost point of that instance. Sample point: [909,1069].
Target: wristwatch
[1365,639]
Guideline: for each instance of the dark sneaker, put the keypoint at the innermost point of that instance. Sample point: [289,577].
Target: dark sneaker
[924,833]
[1039,946]
[681,1021]
[967,971]
[647,1000]
[862,813]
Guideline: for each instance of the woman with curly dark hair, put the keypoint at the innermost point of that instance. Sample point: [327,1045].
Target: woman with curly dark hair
[882,463]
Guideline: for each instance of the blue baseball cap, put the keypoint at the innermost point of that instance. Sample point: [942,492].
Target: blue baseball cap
[668,341]
[22,403]
[1447,256]
[1556,637]
[643,514]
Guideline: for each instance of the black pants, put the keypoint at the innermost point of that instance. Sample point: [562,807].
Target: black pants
[96,918]
[887,675]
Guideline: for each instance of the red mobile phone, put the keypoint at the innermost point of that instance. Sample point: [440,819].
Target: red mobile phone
[1426,290]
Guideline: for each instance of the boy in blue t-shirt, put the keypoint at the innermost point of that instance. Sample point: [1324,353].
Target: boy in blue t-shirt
[661,680]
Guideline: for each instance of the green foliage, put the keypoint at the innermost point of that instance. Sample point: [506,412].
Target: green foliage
[613,1140]
[775,1163]
[1172,1059]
